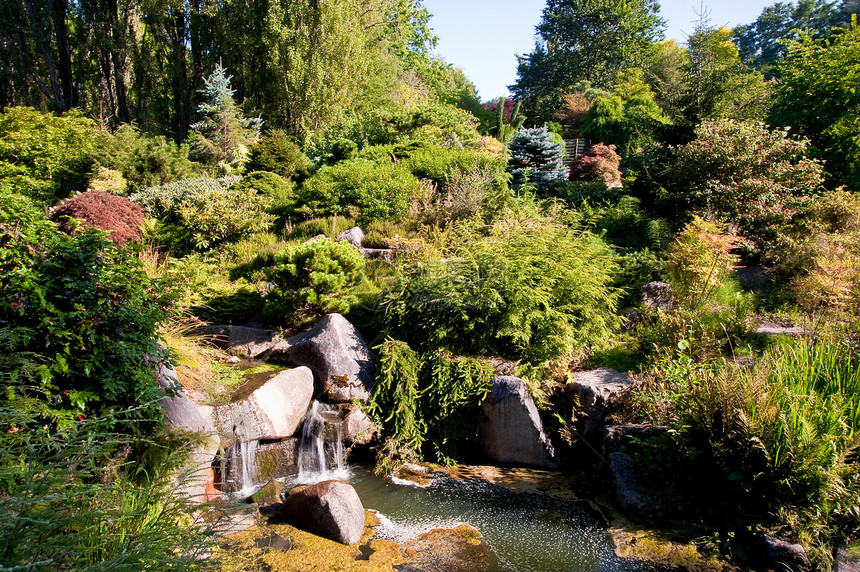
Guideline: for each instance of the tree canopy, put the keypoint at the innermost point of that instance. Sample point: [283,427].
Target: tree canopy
[580,40]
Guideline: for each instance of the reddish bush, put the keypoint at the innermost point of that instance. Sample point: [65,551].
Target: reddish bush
[494,107]
[103,211]
[600,163]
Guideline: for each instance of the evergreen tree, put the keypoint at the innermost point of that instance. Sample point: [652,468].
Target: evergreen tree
[536,156]
[223,135]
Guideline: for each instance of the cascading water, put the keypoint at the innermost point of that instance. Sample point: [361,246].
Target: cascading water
[321,453]
[242,458]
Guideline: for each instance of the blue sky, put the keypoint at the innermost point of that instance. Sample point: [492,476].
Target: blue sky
[482,36]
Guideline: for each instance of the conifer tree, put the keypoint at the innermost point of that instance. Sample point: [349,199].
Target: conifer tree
[223,135]
[536,156]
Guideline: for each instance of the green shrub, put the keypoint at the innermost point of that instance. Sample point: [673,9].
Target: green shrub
[359,188]
[164,201]
[531,289]
[634,270]
[43,156]
[746,175]
[104,211]
[82,312]
[626,225]
[145,160]
[429,402]
[276,153]
[271,185]
[216,217]
[313,279]
[700,262]
[330,227]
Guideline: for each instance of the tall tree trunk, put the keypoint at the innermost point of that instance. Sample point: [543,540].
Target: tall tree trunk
[118,45]
[68,93]
[181,100]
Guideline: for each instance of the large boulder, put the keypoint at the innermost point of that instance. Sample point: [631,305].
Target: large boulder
[272,411]
[330,509]
[241,341]
[184,415]
[630,493]
[458,549]
[353,235]
[512,431]
[596,391]
[338,356]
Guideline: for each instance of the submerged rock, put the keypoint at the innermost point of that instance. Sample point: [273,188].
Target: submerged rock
[273,411]
[336,353]
[513,431]
[330,509]
[458,549]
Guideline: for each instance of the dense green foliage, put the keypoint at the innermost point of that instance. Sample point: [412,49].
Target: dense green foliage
[588,40]
[772,442]
[45,157]
[762,44]
[276,153]
[359,188]
[531,289]
[71,501]
[80,316]
[426,402]
[818,97]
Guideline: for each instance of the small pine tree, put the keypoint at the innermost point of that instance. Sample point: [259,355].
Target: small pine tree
[536,155]
[223,135]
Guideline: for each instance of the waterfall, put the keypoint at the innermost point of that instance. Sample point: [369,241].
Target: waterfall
[321,453]
[243,469]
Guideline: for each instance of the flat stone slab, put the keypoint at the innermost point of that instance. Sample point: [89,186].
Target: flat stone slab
[782,331]
[241,341]
[598,388]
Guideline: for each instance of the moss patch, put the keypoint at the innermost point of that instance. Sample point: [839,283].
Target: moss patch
[245,551]
[648,546]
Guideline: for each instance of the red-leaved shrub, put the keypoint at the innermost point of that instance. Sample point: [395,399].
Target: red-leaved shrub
[600,163]
[103,211]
